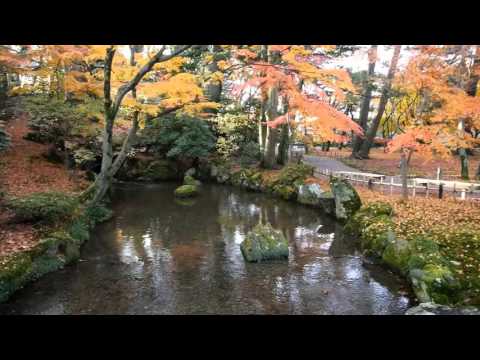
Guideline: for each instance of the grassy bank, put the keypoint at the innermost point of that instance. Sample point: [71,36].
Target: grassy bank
[62,226]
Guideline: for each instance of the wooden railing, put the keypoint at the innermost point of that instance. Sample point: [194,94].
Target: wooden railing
[462,190]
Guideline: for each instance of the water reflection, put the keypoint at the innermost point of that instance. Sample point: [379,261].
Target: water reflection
[161,256]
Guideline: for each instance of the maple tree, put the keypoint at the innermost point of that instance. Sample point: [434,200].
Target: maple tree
[294,88]
[152,84]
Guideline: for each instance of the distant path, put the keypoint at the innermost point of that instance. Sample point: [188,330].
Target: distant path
[323,163]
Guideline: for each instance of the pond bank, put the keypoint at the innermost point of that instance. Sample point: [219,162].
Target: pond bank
[58,247]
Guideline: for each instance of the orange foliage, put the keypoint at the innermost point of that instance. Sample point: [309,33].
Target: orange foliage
[300,64]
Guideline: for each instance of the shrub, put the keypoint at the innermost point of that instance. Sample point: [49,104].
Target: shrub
[48,207]
[52,119]
[97,214]
[237,137]
[250,153]
[294,174]
[179,137]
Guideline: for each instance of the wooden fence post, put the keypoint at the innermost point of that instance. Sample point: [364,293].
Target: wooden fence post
[414,187]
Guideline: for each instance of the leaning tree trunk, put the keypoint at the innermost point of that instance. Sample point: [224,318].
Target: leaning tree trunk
[372,131]
[367,96]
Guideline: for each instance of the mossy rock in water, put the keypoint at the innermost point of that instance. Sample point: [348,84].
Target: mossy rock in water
[186,191]
[190,180]
[347,201]
[264,243]
[310,194]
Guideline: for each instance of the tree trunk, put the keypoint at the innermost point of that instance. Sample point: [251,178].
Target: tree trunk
[212,88]
[271,140]
[463,163]
[282,158]
[272,133]
[404,175]
[471,90]
[372,131]
[262,128]
[367,96]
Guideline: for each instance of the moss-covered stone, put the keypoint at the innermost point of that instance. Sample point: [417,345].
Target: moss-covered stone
[264,243]
[435,283]
[186,191]
[397,254]
[347,201]
[309,194]
[376,236]
[190,180]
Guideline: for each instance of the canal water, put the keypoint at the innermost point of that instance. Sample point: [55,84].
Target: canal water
[160,255]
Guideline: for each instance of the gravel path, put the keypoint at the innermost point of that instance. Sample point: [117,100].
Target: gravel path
[321,162]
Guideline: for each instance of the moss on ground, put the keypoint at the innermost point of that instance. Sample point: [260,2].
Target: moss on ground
[430,266]
[59,246]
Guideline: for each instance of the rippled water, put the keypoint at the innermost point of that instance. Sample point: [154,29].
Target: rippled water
[162,256]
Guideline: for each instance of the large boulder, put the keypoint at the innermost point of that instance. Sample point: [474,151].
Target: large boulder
[347,201]
[264,243]
[309,194]
[190,180]
[327,202]
[186,191]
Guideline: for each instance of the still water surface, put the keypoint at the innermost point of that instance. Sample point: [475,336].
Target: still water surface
[162,256]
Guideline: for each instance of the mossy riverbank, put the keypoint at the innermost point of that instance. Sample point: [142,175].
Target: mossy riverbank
[421,259]
[67,227]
